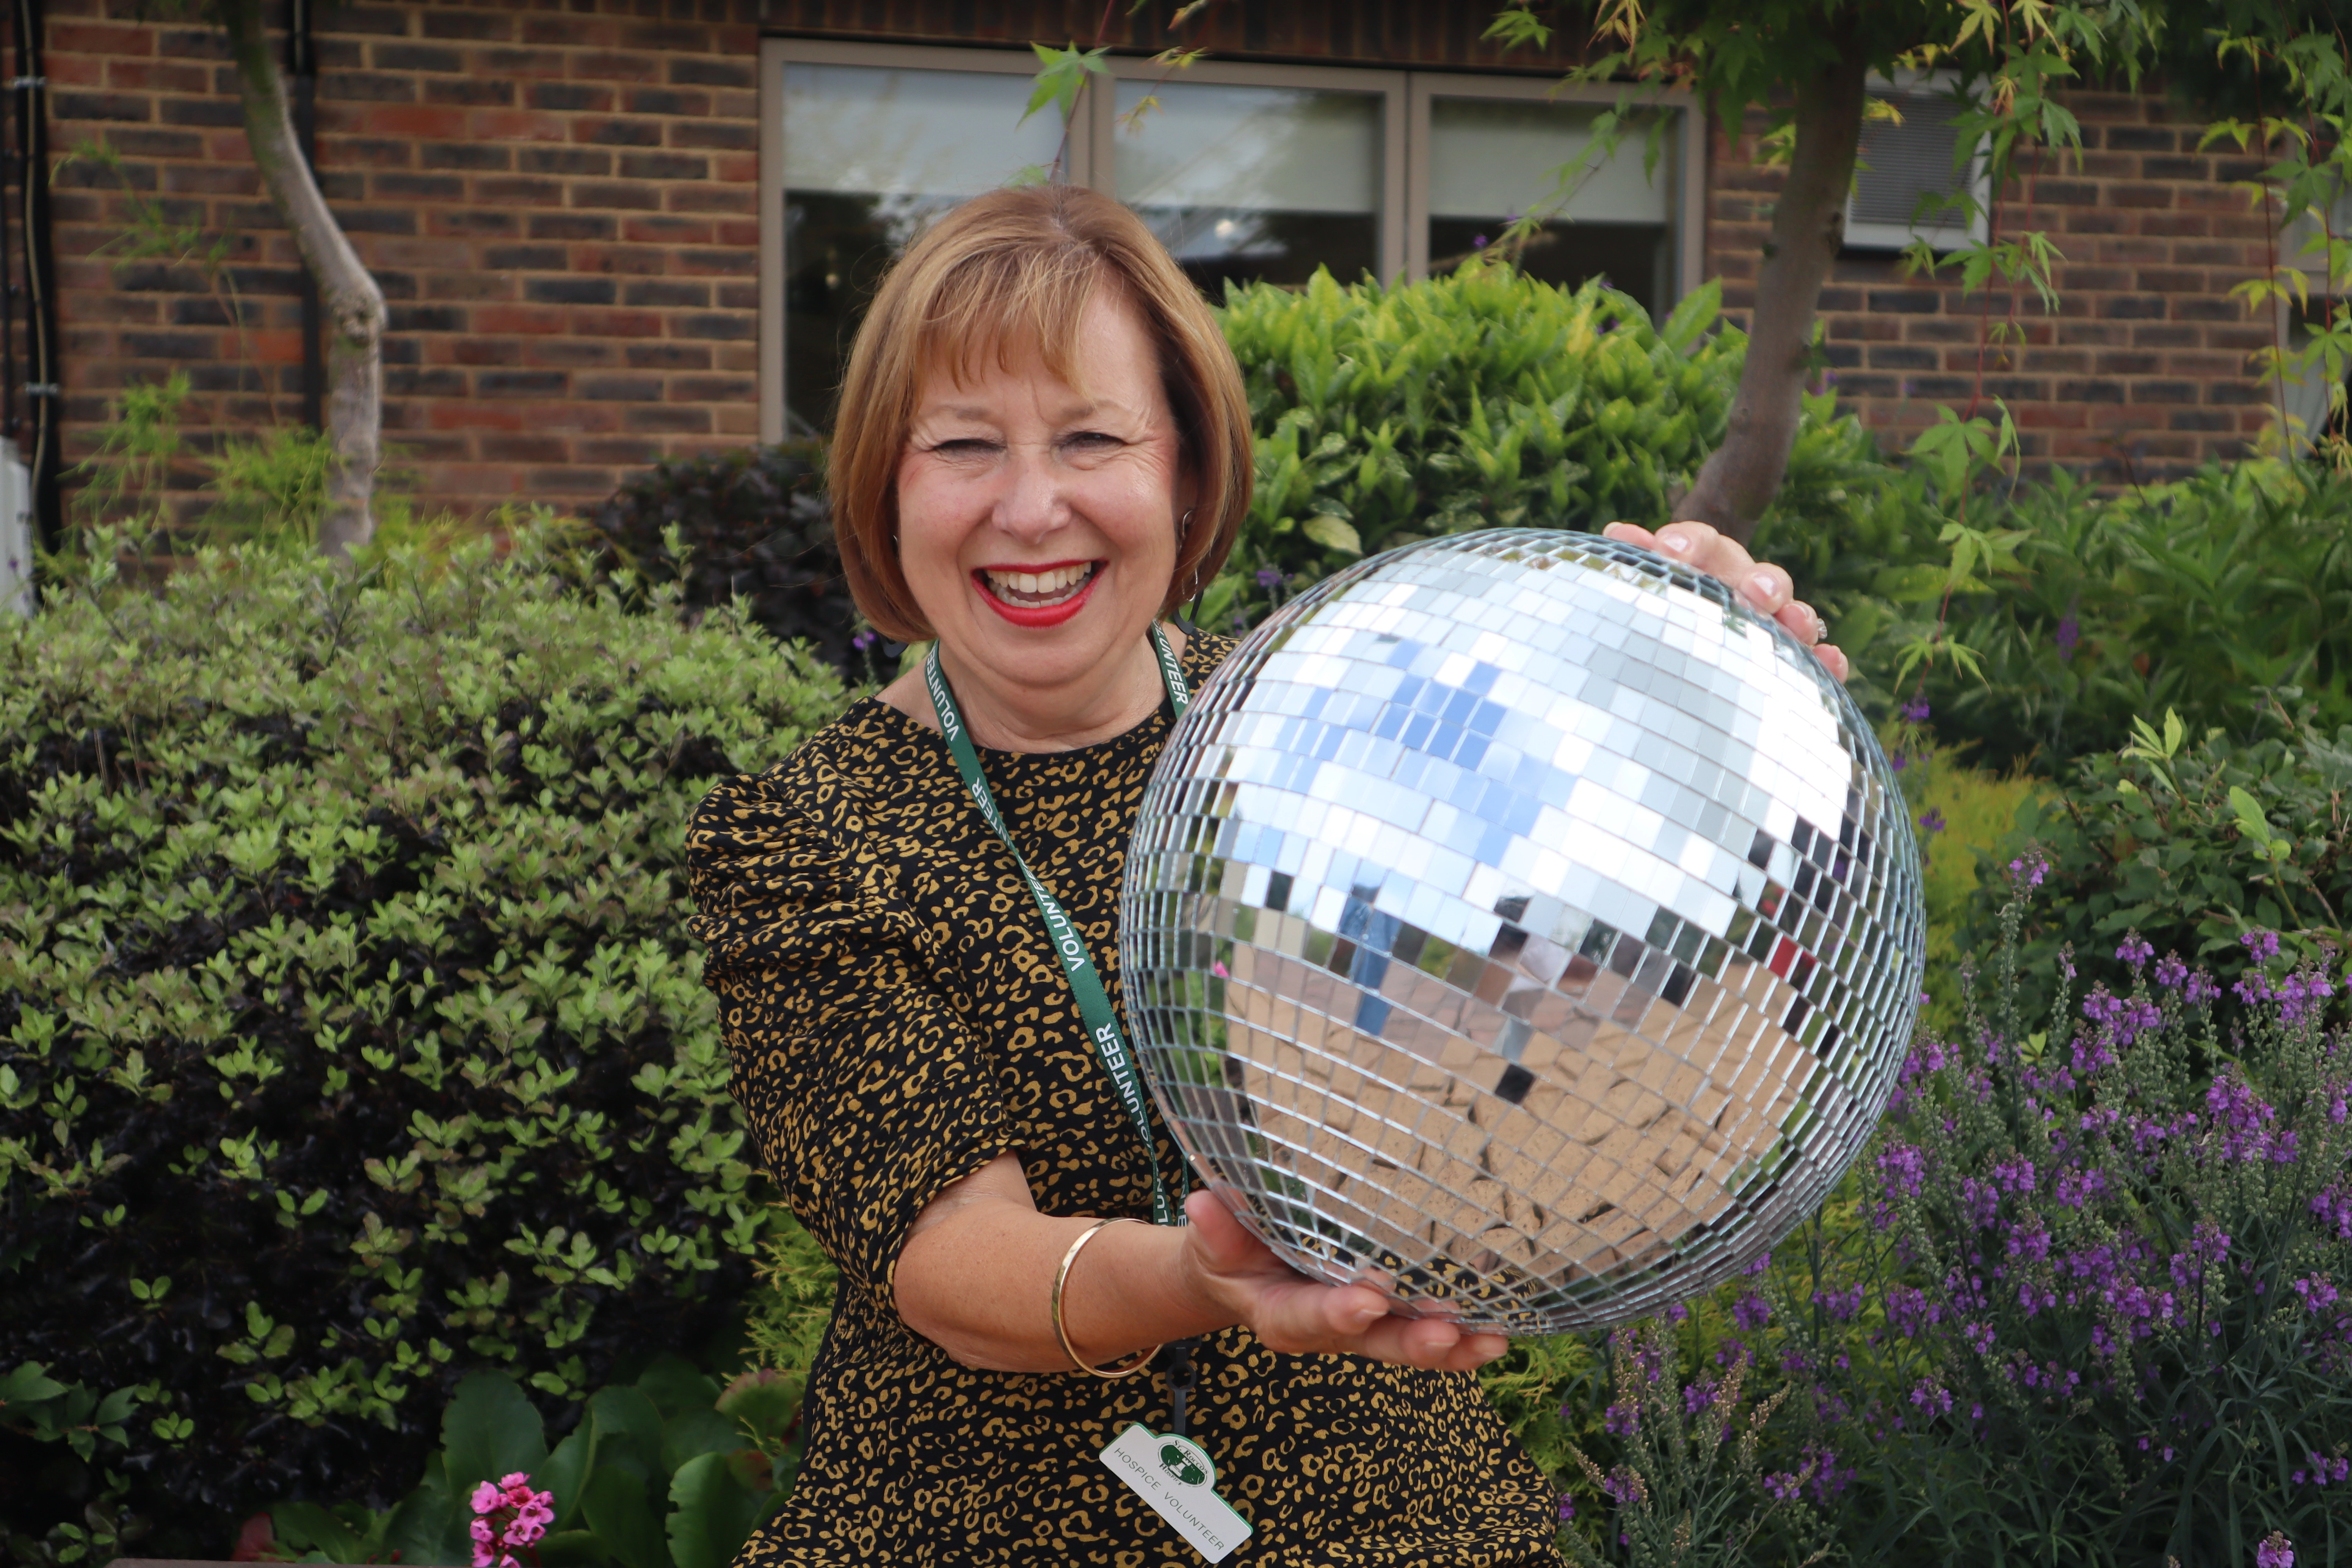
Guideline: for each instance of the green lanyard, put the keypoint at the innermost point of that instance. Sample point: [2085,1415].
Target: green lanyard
[1085,984]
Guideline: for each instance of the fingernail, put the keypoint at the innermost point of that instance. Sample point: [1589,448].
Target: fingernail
[1675,543]
[1764,585]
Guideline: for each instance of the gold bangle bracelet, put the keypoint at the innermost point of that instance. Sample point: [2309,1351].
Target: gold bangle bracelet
[1061,1277]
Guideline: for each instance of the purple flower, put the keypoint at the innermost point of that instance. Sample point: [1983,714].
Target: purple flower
[1477,242]
[1566,1508]
[2135,952]
[2276,1552]
[2333,1207]
[1751,1312]
[2318,1292]
[1898,761]
[1933,1398]
[1268,577]
[1623,1420]
[1931,822]
[2030,870]
[1905,1169]
[2260,945]
[2076,1188]
[2171,972]
[1781,1486]
[2201,989]
[864,640]
[1915,710]
[2070,632]
[2243,1120]
[1840,1305]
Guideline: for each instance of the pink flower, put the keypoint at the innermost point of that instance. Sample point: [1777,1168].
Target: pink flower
[512,1516]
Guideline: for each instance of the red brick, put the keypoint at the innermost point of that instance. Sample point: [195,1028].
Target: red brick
[515,125]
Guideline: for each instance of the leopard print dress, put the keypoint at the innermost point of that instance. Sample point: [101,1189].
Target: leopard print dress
[896,1021]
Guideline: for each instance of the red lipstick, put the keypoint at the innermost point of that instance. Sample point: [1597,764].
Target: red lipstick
[1035,617]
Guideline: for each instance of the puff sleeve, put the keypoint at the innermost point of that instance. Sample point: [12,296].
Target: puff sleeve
[865,1092]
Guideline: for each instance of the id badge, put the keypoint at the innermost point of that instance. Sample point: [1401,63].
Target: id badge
[1175,1476]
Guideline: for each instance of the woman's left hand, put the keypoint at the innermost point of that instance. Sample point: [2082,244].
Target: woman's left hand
[1765,586]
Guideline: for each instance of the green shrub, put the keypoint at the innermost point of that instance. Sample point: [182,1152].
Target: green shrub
[2205,596]
[2191,842]
[1476,400]
[350,1035]
[755,525]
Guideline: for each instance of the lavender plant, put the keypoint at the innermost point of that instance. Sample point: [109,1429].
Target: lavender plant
[2095,1307]
[2087,1301]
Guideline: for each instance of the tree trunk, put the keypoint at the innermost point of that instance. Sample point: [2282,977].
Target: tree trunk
[354,304]
[1741,475]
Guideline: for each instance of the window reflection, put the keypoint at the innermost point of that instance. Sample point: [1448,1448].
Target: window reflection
[870,156]
[1249,183]
[1492,158]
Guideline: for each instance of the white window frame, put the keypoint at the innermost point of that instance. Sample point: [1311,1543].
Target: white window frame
[1094,131]
[1941,235]
[1685,165]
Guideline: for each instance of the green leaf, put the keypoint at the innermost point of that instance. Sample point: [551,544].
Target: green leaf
[692,1433]
[628,1430]
[428,1525]
[1333,533]
[1060,74]
[491,1429]
[618,1508]
[28,1383]
[675,1385]
[567,1470]
[712,1513]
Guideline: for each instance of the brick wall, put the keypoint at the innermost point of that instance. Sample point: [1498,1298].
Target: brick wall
[559,198]
[2141,372]
[559,204]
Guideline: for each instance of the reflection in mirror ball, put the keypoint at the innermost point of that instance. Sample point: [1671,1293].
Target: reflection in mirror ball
[1519,924]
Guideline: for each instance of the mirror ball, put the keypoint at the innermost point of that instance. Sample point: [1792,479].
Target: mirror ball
[1518,924]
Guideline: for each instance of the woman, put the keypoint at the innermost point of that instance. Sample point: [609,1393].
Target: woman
[1043,451]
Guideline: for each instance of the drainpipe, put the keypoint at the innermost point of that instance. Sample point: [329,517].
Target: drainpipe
[302,74]
[42,386]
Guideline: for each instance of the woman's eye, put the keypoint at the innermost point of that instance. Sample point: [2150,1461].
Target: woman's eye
[1092,441]
[965,446]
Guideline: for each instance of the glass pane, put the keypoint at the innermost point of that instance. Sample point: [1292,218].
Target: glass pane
[1249,183]
[869,155]
[1491,159]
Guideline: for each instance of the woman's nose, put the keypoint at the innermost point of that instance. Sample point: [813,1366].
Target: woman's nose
[1032,502]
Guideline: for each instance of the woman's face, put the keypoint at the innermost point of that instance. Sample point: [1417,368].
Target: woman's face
[1037,523]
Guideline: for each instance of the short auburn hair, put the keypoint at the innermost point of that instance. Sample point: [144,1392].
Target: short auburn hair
[999,275]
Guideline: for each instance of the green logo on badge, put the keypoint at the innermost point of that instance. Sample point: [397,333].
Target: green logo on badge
[1182,1461]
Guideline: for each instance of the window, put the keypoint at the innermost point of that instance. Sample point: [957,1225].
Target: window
[1491,158]
[1243,182]
[1245,172]
[1907,184]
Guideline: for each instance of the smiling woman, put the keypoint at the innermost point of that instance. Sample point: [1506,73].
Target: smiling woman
[1043,446]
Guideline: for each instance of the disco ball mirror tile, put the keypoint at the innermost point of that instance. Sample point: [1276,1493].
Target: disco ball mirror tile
[1519,924]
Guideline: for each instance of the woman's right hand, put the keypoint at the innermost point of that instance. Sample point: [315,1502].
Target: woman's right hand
[1246,1282]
